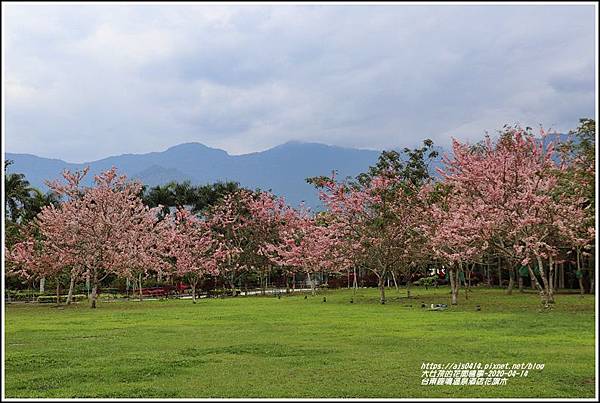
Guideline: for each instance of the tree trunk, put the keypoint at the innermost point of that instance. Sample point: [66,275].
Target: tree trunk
[71,286]
[592,273]
[57,292]
[499,274]
[580,272]
[464,280]
[140,287]
[94,290]
[511,281]
[312,284]
[469,271]
[520,281]
[42,285]
[453,287]
[544,291]
[354,282]
[87,283]
[534,283]
[382,289]
[396,285]
[561,276]
[193,285]
[551,280]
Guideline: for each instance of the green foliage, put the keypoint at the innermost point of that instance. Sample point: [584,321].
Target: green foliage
[427,281]
[411,167]
[175,194]
[579,153]
[47,299]
[22,203]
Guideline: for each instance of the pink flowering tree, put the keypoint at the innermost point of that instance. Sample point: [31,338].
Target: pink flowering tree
[306,247]
[99,230]
[457,232]
[376,222]
[244,223]
[30,260]
[512,182]
[190,248]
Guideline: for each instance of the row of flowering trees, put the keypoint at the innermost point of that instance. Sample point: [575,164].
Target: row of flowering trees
[512,197]
[106,230]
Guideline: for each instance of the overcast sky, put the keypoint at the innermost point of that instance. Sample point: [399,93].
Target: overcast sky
[86,81]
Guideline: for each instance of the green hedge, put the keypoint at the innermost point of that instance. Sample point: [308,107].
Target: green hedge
[48,299]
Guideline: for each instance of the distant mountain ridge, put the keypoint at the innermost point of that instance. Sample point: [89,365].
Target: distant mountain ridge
[281,169]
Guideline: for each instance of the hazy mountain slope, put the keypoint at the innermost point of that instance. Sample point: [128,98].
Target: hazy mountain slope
[283,169]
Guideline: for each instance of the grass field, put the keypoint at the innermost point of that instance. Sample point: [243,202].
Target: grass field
[292,347]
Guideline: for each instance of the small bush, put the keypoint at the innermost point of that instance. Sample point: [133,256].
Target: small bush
[427,281]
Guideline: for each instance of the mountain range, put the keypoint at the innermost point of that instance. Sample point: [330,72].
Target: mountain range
[281,169]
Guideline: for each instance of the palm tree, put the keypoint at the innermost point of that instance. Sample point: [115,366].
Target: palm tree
[160,196]
[16,192]
[36,201]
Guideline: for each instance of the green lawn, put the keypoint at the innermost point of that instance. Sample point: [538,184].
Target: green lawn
[292,347]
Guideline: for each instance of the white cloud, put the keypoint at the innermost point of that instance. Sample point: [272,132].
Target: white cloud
[86,81]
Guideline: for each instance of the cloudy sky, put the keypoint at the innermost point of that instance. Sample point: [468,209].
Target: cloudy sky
[86,81]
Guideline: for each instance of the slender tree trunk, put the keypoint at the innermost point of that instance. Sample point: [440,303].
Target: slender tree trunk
[71,286]
[580,273]
[42,285]
[511,281]
[87,284]
[453,287]
[561,276]
[94,296]
[294,281]
[592,273]
[544,291]
[551,280]
[396,284]
[382,289]
[520,281]
[354,282]
[499,273]
[140,286]
[471,270]
[57,292]
[489,277]
[464,280]
[534,283]
[312,284]
[193,285]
